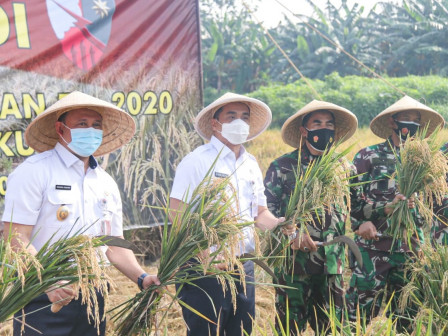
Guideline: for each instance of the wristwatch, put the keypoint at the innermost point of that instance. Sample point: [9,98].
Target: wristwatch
[140,280]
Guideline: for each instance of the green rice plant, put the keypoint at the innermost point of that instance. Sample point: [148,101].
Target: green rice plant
[420,172]
[208,220]
[276,329]
[427,289]
[73,260]
[322,185]
[383,325]
[425,325]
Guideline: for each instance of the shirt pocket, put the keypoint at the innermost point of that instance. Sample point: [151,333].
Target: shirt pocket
[61,207]
[248,201]
[382,186]
[289,180]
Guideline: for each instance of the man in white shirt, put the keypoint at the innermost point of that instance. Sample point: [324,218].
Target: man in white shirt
[228,122]
[62,190]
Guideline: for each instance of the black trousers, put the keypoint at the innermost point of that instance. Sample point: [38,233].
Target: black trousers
[71,320]
[208,297]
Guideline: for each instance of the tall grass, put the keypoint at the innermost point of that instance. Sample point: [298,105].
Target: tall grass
[427,289]
[144,168]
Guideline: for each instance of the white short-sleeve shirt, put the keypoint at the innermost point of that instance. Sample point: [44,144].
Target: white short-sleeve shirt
[54,182]
[245,176]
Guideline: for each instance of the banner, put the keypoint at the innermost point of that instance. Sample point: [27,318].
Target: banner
[142,55]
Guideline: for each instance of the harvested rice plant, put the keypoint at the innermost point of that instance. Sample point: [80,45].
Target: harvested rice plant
[267,147]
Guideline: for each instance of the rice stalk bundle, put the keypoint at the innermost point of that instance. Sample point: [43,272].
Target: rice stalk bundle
[322,185]
[208,222]
[24,277]
[420,172]
[427,289]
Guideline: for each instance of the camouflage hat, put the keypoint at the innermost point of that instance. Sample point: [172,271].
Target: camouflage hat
[118,126]
[260,115]
[380,124]
[345,122]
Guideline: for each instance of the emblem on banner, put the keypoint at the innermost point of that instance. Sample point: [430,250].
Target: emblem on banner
[83,27]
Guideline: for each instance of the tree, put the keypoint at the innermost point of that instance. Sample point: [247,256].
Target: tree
[412,38]
[235,53]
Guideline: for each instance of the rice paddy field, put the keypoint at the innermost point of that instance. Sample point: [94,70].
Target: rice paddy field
[266,147]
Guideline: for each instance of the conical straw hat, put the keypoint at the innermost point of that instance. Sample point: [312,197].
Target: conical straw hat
[118,126]
[345,122]
[380,124]
[260,115]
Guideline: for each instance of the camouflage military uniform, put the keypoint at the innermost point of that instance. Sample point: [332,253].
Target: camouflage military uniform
[439,229]
[317,275]
[383,263]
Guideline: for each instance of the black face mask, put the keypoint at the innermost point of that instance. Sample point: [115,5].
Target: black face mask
[320,139]
[406,128]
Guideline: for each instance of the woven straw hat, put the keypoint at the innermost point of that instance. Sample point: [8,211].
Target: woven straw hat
[344,120]
[118,126]
[380,124]
[260,115]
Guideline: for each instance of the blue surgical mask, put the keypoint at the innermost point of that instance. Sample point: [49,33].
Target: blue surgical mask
[85,141]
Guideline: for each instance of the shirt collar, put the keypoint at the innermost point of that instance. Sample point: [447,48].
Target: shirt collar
[305,154]
[221,147]
[389,144]
[69,159]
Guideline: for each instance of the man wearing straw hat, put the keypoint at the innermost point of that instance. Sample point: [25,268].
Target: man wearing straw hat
[374,201]
[63,190]
[227,123]
[316,272]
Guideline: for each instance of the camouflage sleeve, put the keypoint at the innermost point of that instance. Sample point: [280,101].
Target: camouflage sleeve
[273,189]
[418,219]
[363,207]
[444,148]
[355,197]
[439,228]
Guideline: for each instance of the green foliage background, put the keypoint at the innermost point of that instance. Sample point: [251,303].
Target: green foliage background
[365,97]
[400,41]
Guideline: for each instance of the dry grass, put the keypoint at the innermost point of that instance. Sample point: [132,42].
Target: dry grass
[174,324]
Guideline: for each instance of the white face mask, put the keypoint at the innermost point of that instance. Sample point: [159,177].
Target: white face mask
[236,132]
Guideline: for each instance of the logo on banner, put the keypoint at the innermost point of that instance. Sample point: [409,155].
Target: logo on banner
[83,27]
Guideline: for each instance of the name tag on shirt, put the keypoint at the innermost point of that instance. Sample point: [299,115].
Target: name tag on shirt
[221,175]
[63,187]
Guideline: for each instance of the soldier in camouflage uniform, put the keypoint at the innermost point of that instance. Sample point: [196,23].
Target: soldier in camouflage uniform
[316,272]
[373,202]
[439,229]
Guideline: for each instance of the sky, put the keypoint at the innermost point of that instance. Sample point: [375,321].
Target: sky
[271,12]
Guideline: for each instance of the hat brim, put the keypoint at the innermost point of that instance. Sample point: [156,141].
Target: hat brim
[118,126]
[380,125]
[345,122]
[260,115]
